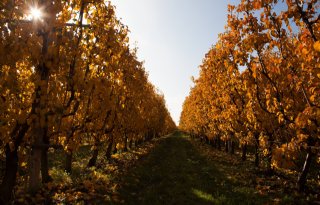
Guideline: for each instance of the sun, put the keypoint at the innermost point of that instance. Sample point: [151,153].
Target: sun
[35,13]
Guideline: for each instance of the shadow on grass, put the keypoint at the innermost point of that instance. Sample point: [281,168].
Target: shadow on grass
[176,173]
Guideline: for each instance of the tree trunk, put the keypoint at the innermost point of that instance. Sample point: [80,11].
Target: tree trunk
[244,152]
[301,184]
[256,153]
[44,166]
[36,158]
[114,147]
[269,156]
[93,160]
[12,163]
[232,146]
[213,143]
[219,143]
[130,144]
[68,163]
[44,159]
[39,107]
[125,144]
[109,149]
[69,152]
[226,146]
[10,175]
[35,168]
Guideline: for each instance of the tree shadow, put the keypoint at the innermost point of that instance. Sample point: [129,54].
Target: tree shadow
[175,172]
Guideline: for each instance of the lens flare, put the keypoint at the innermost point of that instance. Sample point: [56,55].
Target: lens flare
[35,13]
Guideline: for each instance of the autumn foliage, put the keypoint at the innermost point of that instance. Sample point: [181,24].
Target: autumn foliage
[67,79]
[259,86]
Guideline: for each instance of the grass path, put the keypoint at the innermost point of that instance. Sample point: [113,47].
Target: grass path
[170,170]
[178,172]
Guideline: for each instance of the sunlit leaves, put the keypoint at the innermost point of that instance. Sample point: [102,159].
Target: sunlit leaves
[69,76]
[316,46]
[276,94]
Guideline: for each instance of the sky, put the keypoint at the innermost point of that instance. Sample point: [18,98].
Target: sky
[173,37]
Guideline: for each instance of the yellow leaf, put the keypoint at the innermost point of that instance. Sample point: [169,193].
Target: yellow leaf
[316,46]
[312,98]
[304,51]
[254,75]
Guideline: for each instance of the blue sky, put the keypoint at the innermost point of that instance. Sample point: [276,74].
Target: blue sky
[173,36]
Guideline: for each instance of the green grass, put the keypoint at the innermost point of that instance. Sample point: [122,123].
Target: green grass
[175,172]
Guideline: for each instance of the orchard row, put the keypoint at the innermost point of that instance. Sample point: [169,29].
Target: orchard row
[69,78]
[259,86]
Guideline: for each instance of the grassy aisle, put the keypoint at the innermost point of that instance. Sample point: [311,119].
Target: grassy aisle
[170,170]
[177,172]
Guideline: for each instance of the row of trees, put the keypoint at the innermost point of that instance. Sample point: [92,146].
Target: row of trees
[68,77]
[259,86]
